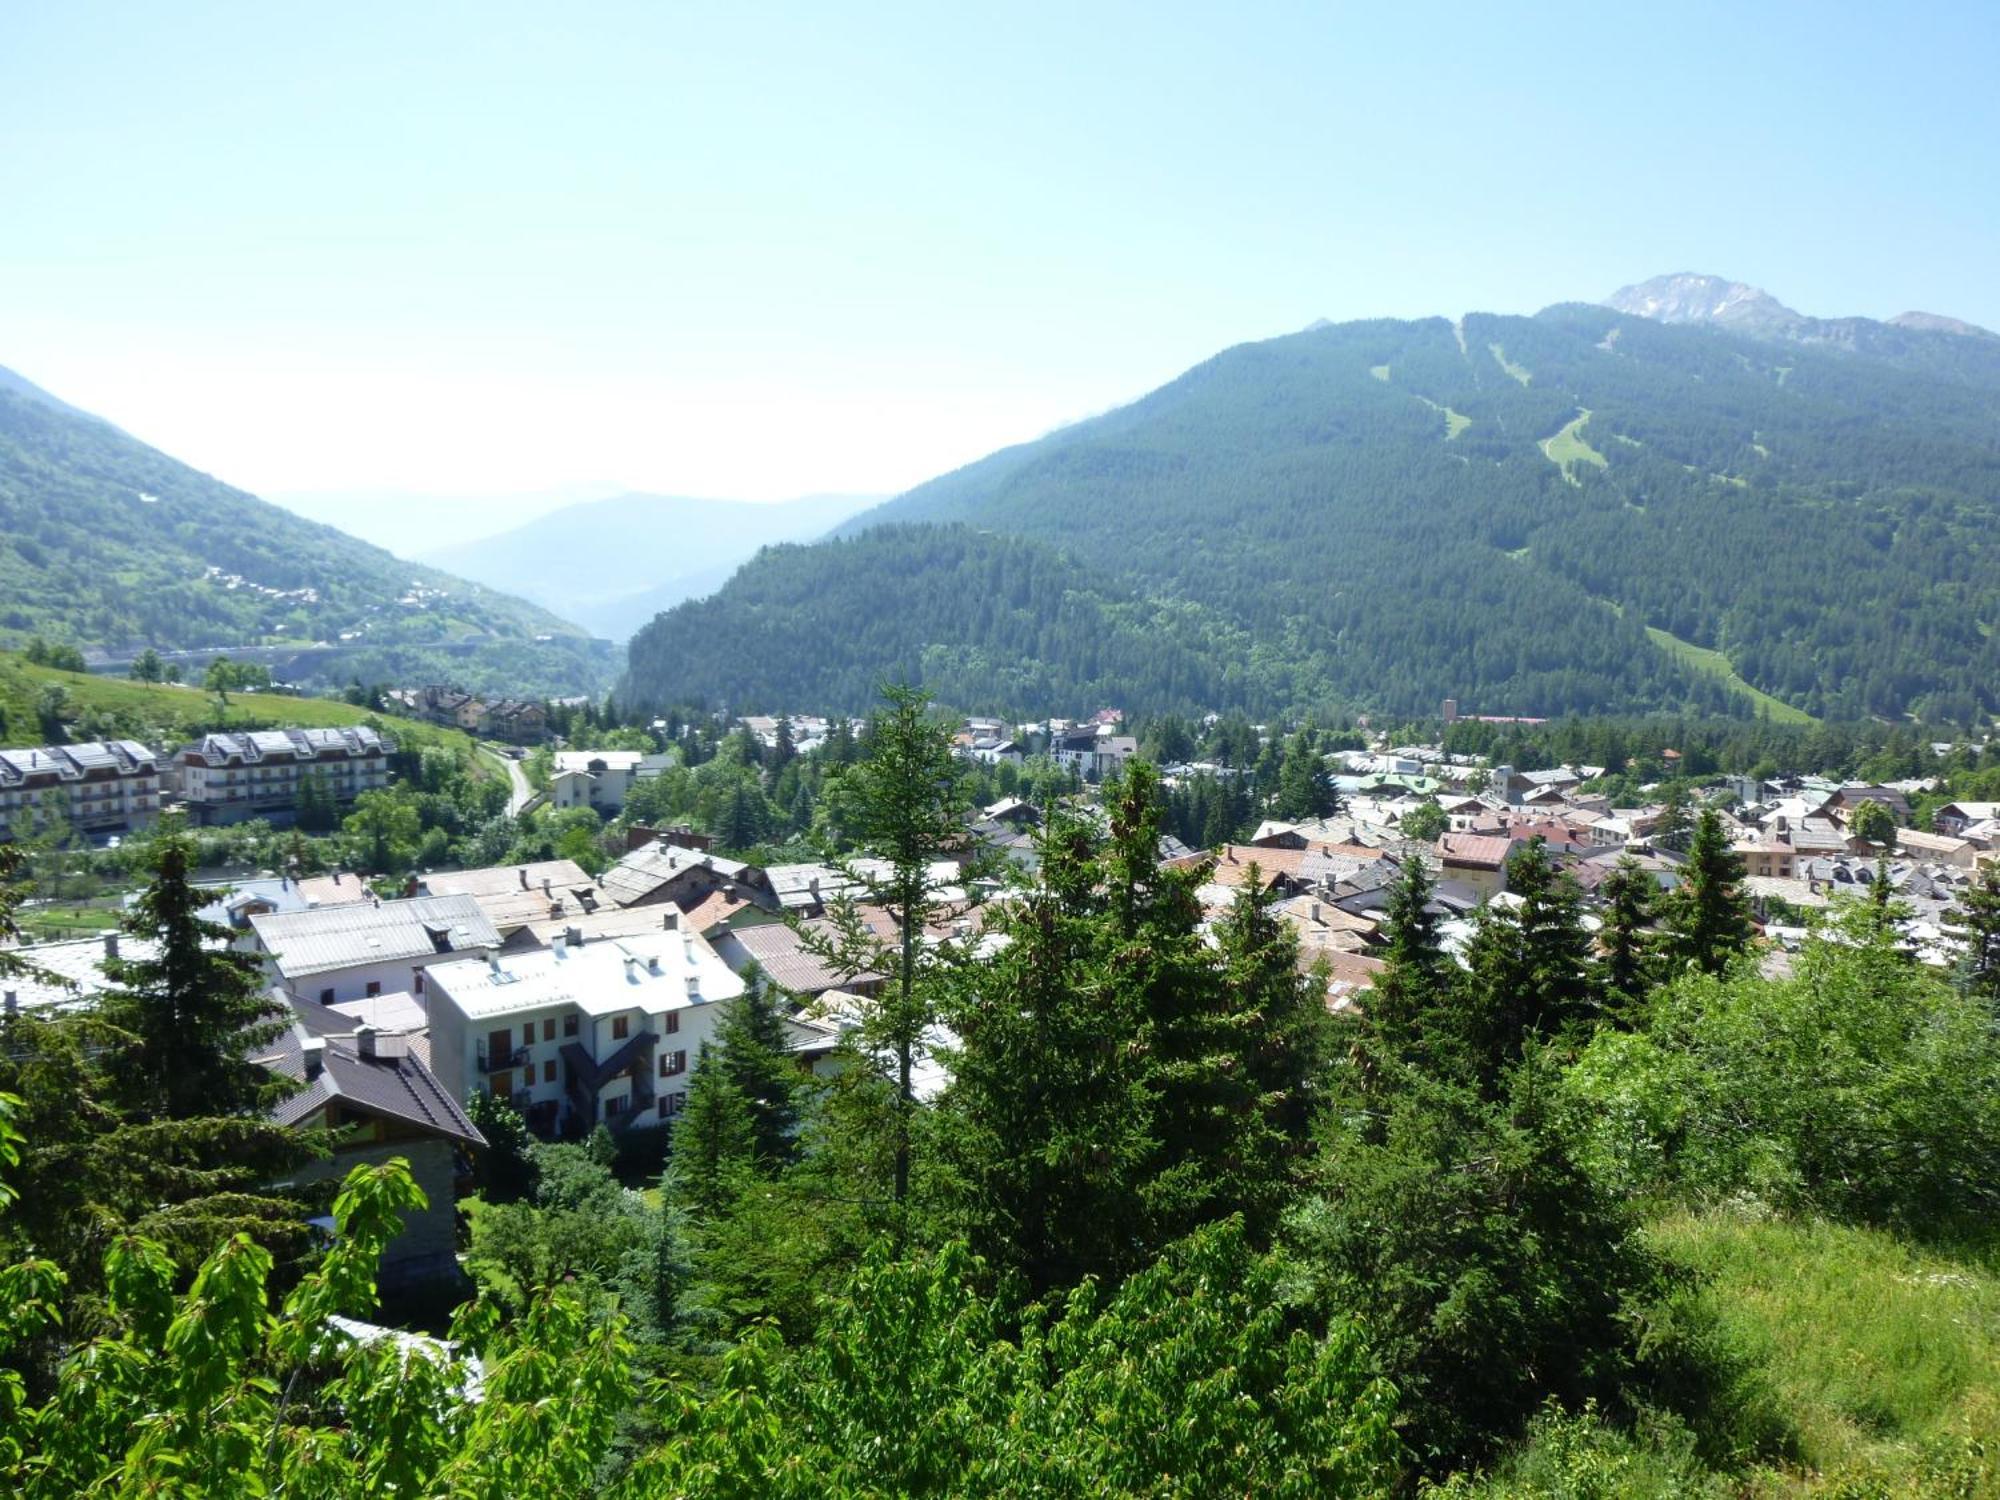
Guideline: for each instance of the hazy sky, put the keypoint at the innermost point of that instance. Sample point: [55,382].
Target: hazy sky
[758,250]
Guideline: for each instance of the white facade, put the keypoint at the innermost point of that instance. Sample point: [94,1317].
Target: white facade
[113,784]
[600,779]
[226,777]
[577,1034]
[340,953]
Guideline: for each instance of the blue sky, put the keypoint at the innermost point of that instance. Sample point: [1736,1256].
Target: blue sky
[760,250]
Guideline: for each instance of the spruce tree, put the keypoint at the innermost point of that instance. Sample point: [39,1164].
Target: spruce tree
[1047,1124]
[714,1138]
[753,1054]
[197,1007]
[1708,917]
[1978,912]
[1626,942]
[1405,1011]
[1530,965]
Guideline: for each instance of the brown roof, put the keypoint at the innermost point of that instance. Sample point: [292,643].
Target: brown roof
[1475,850]
[1233,861]
[712,911]
[513,896]
[779,951]
[332,890]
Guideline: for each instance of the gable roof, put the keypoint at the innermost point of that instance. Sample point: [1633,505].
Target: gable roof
[395,1084]
[641,874]
[340,937]
[1475,851]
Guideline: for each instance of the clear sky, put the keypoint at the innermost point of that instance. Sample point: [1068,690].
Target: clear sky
[759,250]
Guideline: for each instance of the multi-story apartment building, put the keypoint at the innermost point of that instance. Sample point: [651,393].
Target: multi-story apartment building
[334,954]
[579,1033]
[225,778]
[111,787]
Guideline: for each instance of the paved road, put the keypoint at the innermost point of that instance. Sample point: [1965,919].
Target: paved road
[522,793]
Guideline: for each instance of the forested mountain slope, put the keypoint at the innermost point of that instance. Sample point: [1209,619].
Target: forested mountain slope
[112,546]
[1496,510]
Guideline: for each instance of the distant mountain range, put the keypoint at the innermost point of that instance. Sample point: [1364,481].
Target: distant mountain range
[112,546]
[1691,499]
[613,564]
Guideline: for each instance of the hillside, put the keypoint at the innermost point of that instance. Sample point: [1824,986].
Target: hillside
[166,715]
[983,621]
[669,548]
[110,545]
[1498,510]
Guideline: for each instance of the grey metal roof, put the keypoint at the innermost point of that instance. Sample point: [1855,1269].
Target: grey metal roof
[340,937]
[643,871]
[74,762]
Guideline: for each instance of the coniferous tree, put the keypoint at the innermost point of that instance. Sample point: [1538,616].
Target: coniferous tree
[1529,962]
[198,1007]
[1979,912]
[1708,917]
[1047,1124]
[1626,941]
[752,1054]
[1404,1010]
[714,1138]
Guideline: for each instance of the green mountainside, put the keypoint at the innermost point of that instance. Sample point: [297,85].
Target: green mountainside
[112,546]
[1498,510]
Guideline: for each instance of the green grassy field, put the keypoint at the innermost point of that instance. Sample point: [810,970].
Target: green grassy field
[1454,422]
[1519,372]
[1877,1365]
[1715,664]
[158,713]
[1567,448]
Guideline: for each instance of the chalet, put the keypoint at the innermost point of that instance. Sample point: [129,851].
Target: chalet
[1957,818]
[600,779]
[513,896]
[1475,860]
[657,874]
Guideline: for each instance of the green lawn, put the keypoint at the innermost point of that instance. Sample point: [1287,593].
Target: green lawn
[1715,664]
[1519,372]
[1567,448]
[1454,422]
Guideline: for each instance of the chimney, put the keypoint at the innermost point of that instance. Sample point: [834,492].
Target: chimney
[493,964]
[110,945]
[1315,911]
[576,937]
[687,947]
[672,921]
[694,988]
[13,1002]
[652,963]
[312,1052]
[523,873]
[560,946]
[364,1040]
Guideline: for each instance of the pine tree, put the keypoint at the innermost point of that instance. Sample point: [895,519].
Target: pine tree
[714,1138]
[752,1054]
[198,1007]
[1046,1126]
[1626,942]
[1708,917]
[1979,912]
[1405,1012]
[1529,962]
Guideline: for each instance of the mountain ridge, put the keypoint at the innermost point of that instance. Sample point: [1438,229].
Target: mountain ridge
[1497,509]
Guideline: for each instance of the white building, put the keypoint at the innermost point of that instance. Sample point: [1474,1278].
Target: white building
[225,778]
[340,953]
[580,1034]
[105,786]
[600,779]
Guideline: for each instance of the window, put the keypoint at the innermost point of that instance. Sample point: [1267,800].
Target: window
[569,1025]
[326,997]
[673,1022]
[620,1025]
[549,1029]
[548,1072]
[663,1106]
[417,981]
[374,988]
[672,1063]
[673,1104]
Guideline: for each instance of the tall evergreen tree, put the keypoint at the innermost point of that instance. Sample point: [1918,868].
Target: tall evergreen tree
[1708,917]
[1403,1010]
[1529,962]
[198,1007]
[1979,913]
[714,1138]
[1626,941]
[1047,1124]
[753,1055]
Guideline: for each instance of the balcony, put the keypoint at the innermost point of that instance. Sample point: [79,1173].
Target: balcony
[518,1058]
